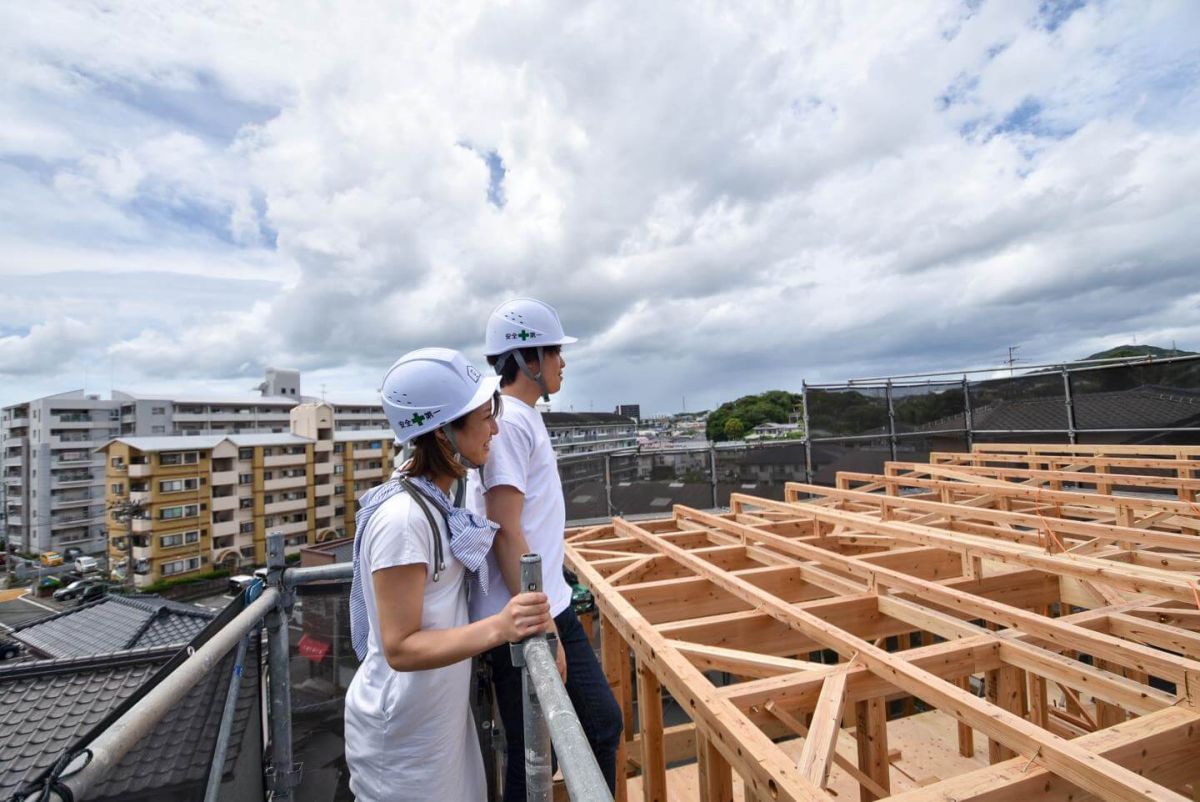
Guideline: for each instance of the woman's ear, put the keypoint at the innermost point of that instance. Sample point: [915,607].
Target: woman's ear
[441,436]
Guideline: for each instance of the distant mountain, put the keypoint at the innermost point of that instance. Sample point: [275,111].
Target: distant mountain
[1127,351]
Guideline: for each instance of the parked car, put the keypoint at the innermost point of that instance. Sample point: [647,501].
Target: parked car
[51,559]
[9,649]
[87,565]
[71,552]
[238,583]
[92,592]
[74,589]
[47,585]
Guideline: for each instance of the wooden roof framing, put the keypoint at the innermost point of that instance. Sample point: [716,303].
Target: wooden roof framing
[1074,612]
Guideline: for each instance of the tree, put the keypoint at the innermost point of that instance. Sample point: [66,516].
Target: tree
[734,429]
[750,411]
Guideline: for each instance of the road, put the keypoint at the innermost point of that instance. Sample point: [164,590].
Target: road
[17,607]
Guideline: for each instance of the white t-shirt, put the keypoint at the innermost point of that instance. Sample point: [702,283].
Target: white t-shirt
[410,735]
[522,457]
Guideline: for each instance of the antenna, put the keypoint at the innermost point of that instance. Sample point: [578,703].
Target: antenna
[322,392]
[1012,359]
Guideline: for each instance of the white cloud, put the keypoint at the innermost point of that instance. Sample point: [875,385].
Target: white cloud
[718,201]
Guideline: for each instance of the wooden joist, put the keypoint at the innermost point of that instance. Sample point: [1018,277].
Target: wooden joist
[959,584]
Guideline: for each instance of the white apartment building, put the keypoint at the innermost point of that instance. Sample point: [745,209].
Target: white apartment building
[52,483]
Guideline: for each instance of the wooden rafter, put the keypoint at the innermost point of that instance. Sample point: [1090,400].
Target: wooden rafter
[978,570]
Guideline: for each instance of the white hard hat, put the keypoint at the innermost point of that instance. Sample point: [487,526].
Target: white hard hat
[430,387]
[523,323]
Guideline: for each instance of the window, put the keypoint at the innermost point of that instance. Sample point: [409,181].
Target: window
[245,478]
[375,444]
[177,485]
[338,470]
[337,448]
[245,503]
[179,458]
[158,430]
[245,453]
[246,527]
[180,566]
[118,489]
[158,410]
[118,462]
[180,539]
[180,511]
[339,490]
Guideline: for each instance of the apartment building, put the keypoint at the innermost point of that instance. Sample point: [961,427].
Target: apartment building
[53,492]
[579,433]
[52,481]
[203,501]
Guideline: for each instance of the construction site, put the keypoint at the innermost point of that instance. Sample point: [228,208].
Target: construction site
[1010,622]
[970,587]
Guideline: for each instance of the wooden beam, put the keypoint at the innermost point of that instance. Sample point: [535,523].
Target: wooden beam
[1085,769]
[870,732]
[614,660]
[817,755]
[715,777]
[650,725]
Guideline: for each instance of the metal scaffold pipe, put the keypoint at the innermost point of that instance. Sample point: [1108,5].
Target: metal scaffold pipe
[549,716]
[139,721]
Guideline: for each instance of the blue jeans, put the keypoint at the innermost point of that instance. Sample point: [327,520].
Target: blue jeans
[598,711]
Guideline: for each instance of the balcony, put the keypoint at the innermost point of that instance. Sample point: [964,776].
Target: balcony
[368,453]
[284,459]
[323,469]
[15,422]
[225,478]
[140,497]
[66,522]
[285,506]
[224,503]
[291,528]
[284,483]
[12,442]
[63,422]
[142,552]
[141,470]
[324,512]
[72,480]
[14,519]
[225,528]
[12,481]
[60,503]
[141,525]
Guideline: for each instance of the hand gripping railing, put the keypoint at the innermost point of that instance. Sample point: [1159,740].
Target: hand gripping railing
[550,717]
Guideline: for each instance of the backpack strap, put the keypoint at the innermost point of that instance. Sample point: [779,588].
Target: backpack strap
[439,557]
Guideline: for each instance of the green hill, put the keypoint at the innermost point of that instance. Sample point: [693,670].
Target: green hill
[1127,351]
[751,410]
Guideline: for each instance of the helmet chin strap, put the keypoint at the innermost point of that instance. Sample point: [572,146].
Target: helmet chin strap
[449,432]
[539,377]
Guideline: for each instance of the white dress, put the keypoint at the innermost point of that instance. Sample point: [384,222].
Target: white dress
[410,735]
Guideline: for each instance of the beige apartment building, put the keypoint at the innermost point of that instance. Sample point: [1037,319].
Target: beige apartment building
[203,502]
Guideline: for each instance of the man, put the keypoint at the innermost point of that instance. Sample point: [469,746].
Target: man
[519,489]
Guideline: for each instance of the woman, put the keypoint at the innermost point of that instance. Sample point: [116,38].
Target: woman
[409,729]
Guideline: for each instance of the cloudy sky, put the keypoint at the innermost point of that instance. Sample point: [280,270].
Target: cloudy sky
[719,198]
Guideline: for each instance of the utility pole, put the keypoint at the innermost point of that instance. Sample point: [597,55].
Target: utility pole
[123,512]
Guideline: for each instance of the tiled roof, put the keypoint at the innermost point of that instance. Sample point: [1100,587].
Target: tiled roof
[112,624]
[45,706]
